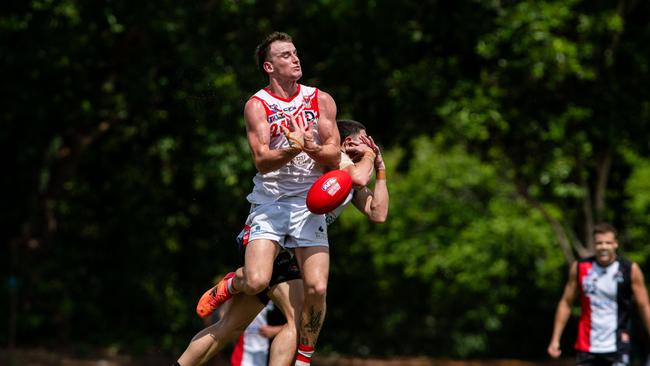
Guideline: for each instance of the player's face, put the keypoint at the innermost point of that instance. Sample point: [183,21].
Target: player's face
[606,245]
[283,61]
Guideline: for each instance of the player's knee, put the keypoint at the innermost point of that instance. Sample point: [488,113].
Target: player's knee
[317,290]
[256,283]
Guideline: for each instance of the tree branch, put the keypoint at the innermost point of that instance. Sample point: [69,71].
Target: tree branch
[560,233]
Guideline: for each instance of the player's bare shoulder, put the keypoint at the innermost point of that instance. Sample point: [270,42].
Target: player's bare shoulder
[254,111]
[325,102]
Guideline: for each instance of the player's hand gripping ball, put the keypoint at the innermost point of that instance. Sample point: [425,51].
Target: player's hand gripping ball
[329,191]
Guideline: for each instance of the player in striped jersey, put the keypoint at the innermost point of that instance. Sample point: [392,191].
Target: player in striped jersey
[607,285]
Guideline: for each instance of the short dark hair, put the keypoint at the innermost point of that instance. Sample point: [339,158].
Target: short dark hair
[262,49]
[348,127]
[603,228]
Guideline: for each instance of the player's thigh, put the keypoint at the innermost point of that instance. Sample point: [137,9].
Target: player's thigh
[259,257]
[314,264]
[288,296]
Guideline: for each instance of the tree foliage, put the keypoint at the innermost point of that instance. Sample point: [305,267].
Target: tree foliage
[509,129]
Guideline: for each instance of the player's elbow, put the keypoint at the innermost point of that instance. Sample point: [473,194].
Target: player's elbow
[262,169]
[359,179]
[330,157]
[262,166]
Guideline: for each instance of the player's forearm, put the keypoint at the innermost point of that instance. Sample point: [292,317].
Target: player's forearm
[379,204]
[562,315]
[362,170]
[272,160]
[644,312]
[327,154]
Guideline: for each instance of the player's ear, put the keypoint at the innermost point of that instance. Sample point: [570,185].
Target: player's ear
[268,67]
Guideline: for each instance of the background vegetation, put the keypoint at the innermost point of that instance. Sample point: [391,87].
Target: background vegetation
[509,128]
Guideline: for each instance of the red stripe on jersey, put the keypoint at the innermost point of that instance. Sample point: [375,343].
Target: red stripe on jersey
[583,341]
[313,103]
[238,352]
[266,106]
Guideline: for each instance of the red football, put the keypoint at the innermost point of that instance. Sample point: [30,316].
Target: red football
[329,191]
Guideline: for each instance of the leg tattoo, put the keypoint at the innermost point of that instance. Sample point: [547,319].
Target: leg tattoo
[312,326]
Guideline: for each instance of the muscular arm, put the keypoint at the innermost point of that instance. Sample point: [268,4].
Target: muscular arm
[374,204]
[640,294]
[328,152]
[259,136]
[563,311]
[361,171]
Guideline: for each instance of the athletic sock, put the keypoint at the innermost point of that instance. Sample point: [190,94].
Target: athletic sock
[303,358]
[231,286]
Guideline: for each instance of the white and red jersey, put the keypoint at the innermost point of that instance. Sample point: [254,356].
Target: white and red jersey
[605,297]
[297,176]
[252,347]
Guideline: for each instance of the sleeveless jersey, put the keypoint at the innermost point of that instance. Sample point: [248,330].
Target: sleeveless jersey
[605,297]
[297,176]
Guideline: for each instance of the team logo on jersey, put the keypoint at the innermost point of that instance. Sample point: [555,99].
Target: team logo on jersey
[589,282]
[310,116]
[274,108]
[302,160]
[307,102]
[589,287]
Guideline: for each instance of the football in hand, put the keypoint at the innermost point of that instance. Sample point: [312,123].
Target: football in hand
[329,191]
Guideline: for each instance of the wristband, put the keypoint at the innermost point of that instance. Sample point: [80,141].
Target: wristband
[381,174]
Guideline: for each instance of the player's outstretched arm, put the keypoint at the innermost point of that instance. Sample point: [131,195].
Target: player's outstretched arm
[640,293]
[563,311]
[374,204]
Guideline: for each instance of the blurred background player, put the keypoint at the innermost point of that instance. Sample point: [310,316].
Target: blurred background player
[607,284]
[252,346]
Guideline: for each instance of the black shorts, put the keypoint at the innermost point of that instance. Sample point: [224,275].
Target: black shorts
[285,266]
[620,358]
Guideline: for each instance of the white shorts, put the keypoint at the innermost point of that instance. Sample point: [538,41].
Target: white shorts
[288,222]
